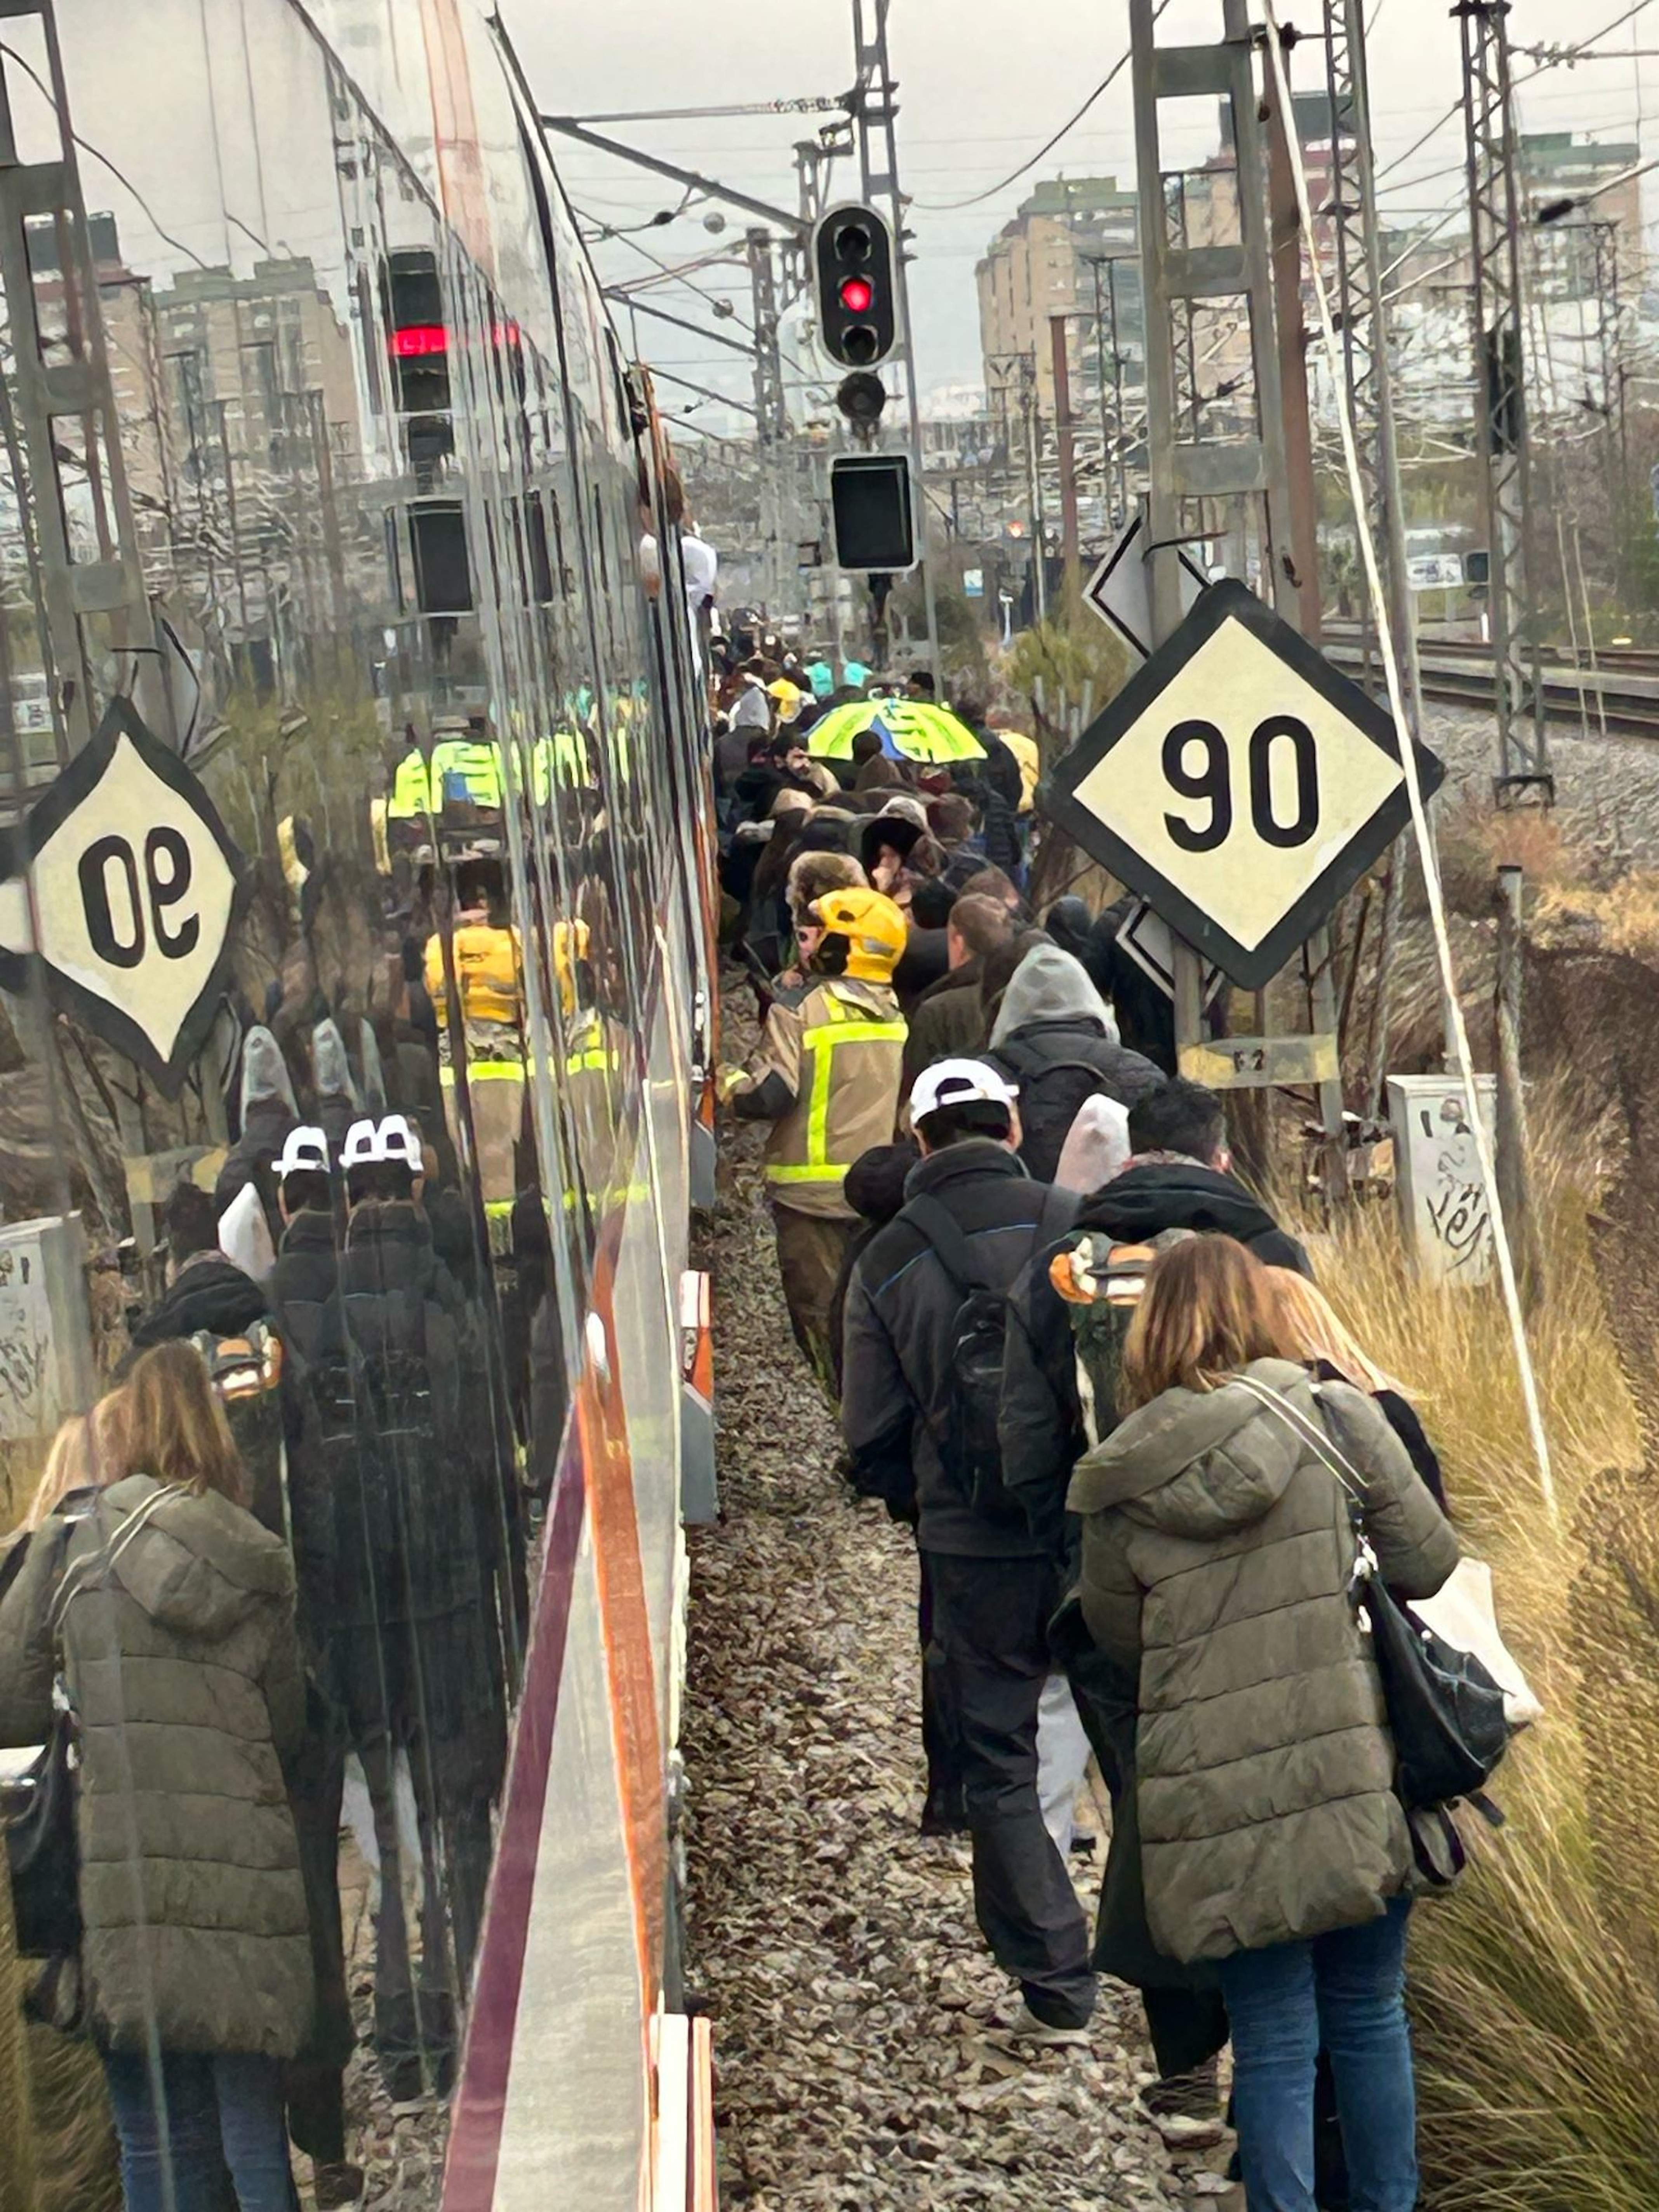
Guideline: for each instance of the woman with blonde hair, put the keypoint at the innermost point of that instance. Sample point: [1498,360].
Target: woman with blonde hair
[1329,1346]
[84,1455]
[1219,1555]
[168,1612]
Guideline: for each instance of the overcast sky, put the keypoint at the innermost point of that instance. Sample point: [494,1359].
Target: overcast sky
[982,84]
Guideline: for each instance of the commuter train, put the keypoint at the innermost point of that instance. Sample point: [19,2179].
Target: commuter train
[389,479]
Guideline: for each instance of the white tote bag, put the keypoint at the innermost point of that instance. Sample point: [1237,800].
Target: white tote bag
[1461,1613]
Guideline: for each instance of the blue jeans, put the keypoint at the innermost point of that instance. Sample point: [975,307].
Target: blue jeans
[1346,1991]
[216,2112]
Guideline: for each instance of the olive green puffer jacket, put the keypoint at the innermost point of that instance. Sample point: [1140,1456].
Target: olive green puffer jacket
[183,1669]
[1216,1555]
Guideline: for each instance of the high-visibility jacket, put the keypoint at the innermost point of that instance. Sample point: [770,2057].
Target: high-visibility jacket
[561,758]
[410,788]
[489,974]
[827,1076]
[473,762]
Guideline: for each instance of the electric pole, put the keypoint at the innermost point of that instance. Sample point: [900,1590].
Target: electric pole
[1362,319]
[777,505]
[1500,380]
[1065,439]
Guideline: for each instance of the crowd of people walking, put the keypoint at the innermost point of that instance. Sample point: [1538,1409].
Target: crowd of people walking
[1072,1349]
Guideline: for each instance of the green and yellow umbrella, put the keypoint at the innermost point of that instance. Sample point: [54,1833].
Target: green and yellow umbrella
[908,729]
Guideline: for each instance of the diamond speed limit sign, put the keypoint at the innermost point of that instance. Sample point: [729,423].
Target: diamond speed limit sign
[1239,784]
[125,887]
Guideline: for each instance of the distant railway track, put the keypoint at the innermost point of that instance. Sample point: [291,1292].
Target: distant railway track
[1457,671]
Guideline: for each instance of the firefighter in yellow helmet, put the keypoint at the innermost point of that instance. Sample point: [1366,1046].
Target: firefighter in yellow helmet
[826,1076]
[488,960]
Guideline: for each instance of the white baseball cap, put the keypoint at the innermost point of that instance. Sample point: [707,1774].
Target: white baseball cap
[304,1152]
[369,1144]
[959,1082]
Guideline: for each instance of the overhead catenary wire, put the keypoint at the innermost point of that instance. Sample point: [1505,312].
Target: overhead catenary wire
[947,207]
[1426,853]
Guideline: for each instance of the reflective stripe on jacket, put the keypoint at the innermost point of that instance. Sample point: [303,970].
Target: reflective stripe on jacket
[838,1056]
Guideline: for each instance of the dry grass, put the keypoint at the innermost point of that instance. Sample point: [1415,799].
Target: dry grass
[1536,1987]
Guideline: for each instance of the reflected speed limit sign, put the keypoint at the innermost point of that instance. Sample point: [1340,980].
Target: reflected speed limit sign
[1239,784]
[124,886]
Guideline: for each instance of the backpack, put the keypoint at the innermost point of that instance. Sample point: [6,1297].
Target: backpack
[1051,1090]
[967,1439]
[1101,1284]
[246,1371]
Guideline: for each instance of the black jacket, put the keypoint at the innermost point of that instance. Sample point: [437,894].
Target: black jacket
[410,1510]
[874,1189]
[1041,1427]
[901,1311]
[265,1126]
[1036,1058]
[209,1293]
[305,1287]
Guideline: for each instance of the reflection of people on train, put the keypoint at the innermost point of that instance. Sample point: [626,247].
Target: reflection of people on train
[304,1290]
[489,978]
[338,1102]
[269,1110]
[204,1290]
[415,1633]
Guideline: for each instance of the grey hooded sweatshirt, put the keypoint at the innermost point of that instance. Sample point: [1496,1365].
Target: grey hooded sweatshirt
[1216,1554]
[176,1615]
[1056,1037]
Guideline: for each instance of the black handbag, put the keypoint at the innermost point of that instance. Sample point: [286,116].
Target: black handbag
[1446,1713]
[43,1854]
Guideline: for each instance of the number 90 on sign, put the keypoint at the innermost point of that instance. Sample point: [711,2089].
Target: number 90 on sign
[1282,780]
[122,914]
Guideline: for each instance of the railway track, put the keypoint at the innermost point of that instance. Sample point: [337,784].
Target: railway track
[1458,671]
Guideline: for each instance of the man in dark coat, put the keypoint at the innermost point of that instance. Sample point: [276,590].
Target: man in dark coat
[305,1291]
[268,1112]
[205,1291]
[1054,1037]
[969,1205]
[948,1020]
[1179,1177]
[418,1634]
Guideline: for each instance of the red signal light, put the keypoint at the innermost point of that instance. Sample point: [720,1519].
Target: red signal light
[420,341]
[857,295]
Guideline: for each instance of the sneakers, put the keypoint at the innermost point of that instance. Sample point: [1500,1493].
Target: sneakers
[1026,2027]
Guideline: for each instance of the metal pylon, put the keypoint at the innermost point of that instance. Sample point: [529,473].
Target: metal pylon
[91,597]
[1495,218]
[774,444]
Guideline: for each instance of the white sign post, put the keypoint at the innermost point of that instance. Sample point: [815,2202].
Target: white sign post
[1239,784]
[46,1369]
[1443,1199]
[124,885]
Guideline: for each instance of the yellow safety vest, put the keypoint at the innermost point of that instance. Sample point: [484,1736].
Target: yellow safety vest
[476,765]
[843,1026]
[410,789]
